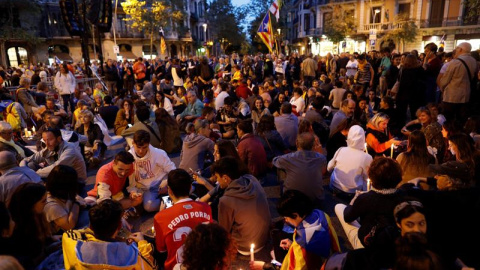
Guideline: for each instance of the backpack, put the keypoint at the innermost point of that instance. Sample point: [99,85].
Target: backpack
[11,119]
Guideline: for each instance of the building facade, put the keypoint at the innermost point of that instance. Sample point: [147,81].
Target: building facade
[53,40]
[438,21]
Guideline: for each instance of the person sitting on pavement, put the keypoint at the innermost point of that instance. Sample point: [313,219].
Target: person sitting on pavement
[250,149]
[26,99]
[304,168]
[56,152]
[151,168]
[108,112]
[100,245]
[144,123]
[287,125]
[243,209]
[227,118]
[13,176]
[197,147]
[374,207]
[347,109]
[305,250]
[57,110]
[169,131]
[7,143]
[110,180]
[62,209]
[125,117]
[378,137]
[94,148]
[349,165]
[192,111]
[179,219]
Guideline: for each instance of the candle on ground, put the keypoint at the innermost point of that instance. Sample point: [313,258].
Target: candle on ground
[33,130]
[26,132]
[252,249]
[369,184]
[366,150]
[391,151]
[153,230]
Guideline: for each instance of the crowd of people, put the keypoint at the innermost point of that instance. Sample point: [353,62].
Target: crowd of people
[394,137]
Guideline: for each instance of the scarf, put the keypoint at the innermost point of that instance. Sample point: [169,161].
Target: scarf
[19,150]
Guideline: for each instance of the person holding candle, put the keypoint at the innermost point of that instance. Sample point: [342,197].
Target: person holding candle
[243,209]
[306,250]
[374,208]
[7,142]
[379,140]
[349,165]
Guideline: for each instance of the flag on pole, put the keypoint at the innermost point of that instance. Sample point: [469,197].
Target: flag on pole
[58,61]
[265,31]
[275,9]
[163,44]
[442,42]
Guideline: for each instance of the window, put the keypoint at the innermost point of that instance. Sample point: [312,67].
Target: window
[306,24]
[436,13]
[375,15]
[327,18]
[404,9]
[17,56]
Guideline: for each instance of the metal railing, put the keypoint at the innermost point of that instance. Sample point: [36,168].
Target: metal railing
[82,84]
[315,32]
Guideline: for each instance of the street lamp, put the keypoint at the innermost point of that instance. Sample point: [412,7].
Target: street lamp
[377,10]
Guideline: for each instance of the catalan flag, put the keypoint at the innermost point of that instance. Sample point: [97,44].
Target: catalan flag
[163,44]
[265,31]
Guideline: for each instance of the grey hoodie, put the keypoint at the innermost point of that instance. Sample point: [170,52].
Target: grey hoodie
[195,148]
[243,211]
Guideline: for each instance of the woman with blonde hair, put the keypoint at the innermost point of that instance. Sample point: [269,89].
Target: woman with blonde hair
[379,139]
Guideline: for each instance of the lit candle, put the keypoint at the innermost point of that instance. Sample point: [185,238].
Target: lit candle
[366,150]
[29,133]
[26,132]
[153,230]
[391,151]
[369,184]
[33,130]
[252,249]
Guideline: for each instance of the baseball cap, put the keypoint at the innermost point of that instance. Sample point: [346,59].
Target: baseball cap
[453,169]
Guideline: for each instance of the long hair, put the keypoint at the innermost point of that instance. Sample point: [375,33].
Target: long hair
[162,117]
[267,123]
[29,224]
[466,149]
[416,157]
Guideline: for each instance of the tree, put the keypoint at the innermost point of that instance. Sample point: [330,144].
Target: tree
[405,30]
[255,9]
[472,11]
[225,24]
[165,14]
[339,24]
[19,20]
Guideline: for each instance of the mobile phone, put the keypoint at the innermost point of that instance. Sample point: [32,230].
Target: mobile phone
[167,201]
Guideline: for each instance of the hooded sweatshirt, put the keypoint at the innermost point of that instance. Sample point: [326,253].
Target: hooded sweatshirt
[150,169]
[195,148]
[243,211]
[350,164]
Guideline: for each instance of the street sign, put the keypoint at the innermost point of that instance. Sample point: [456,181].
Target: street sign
[372,37]
[372,42]
[116,49]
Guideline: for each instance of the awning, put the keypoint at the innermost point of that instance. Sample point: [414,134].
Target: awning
[128,55]
[63,56]
[433,38]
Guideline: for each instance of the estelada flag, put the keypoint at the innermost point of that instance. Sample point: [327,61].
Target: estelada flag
[265,31]
[163,45]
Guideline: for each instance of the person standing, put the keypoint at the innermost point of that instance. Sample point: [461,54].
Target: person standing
[139,71]
[111,76]
[65,84]
[309,67]
[455,83]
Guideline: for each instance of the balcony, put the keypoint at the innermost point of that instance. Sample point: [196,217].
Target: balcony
[380,26]
[127,33]
[315,32]
[449,22]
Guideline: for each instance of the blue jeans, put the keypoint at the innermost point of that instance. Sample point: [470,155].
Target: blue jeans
[68,99]
[151,200]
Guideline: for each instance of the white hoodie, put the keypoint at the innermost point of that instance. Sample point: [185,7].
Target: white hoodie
[65,84]
[350,164]
[150,170]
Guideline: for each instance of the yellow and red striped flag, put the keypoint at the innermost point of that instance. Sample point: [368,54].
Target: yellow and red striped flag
[265,31]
